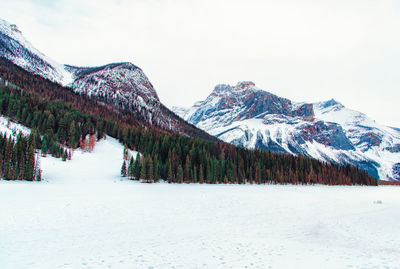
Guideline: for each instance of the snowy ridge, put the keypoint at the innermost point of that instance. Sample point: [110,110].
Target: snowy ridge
[247,116]
[21,52]
[119,79]
[123,85]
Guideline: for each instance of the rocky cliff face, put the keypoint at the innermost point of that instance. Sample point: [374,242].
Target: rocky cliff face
[247,116]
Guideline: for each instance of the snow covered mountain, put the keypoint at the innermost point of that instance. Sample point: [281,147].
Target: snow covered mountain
[247,116]
[123,85]
[14,47]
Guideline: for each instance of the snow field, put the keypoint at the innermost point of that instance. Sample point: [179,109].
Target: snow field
[85,216]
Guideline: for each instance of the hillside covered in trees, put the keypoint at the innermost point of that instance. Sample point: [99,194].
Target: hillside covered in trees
[67,118]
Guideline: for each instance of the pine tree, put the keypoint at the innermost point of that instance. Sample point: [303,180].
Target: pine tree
[38,139]
[137,167]
[63,128]
[201,174]
[129,170]
[123,168]
[179,175]
[170,173]
[7,158]
[150,170]
[72,134]
[20,156]
[64,155]
[171,164]
[156,169]
[50,125]
[195,179]
[44,147]
[209,172]
[187,168]
[125,153]
[14,163]
[251,175]
[30,165]
[143,170]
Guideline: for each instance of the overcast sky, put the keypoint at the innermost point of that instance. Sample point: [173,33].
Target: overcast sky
[303,50]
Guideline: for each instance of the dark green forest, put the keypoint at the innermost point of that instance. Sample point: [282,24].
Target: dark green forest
[65,119]
[17,158]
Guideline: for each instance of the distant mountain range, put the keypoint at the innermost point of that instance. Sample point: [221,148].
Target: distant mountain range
[123,85]
[247,116]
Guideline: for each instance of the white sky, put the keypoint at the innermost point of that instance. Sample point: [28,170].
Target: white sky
[303,50]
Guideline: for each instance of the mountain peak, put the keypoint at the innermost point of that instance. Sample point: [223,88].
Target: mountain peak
[9,28]
[225,89]
[331,102]
[245,84]
[240,102]
[222,88]
[125,65]
[123,80]
[330,105]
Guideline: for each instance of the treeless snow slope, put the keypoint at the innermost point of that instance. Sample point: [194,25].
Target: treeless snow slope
[84,216]
[101,166]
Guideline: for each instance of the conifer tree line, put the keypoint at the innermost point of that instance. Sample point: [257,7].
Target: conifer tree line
[182,159]
[18,160]
[66,118]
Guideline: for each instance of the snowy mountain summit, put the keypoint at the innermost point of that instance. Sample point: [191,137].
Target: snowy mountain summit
[123,85]
[247,116]
[113,79]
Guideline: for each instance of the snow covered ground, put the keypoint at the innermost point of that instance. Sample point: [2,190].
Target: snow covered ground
[84,216]
[9,127]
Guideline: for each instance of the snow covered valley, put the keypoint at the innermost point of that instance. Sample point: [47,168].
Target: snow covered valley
[83,215]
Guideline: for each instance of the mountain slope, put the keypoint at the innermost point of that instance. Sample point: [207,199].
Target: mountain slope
[14,47]
[122,85]
[247,116]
